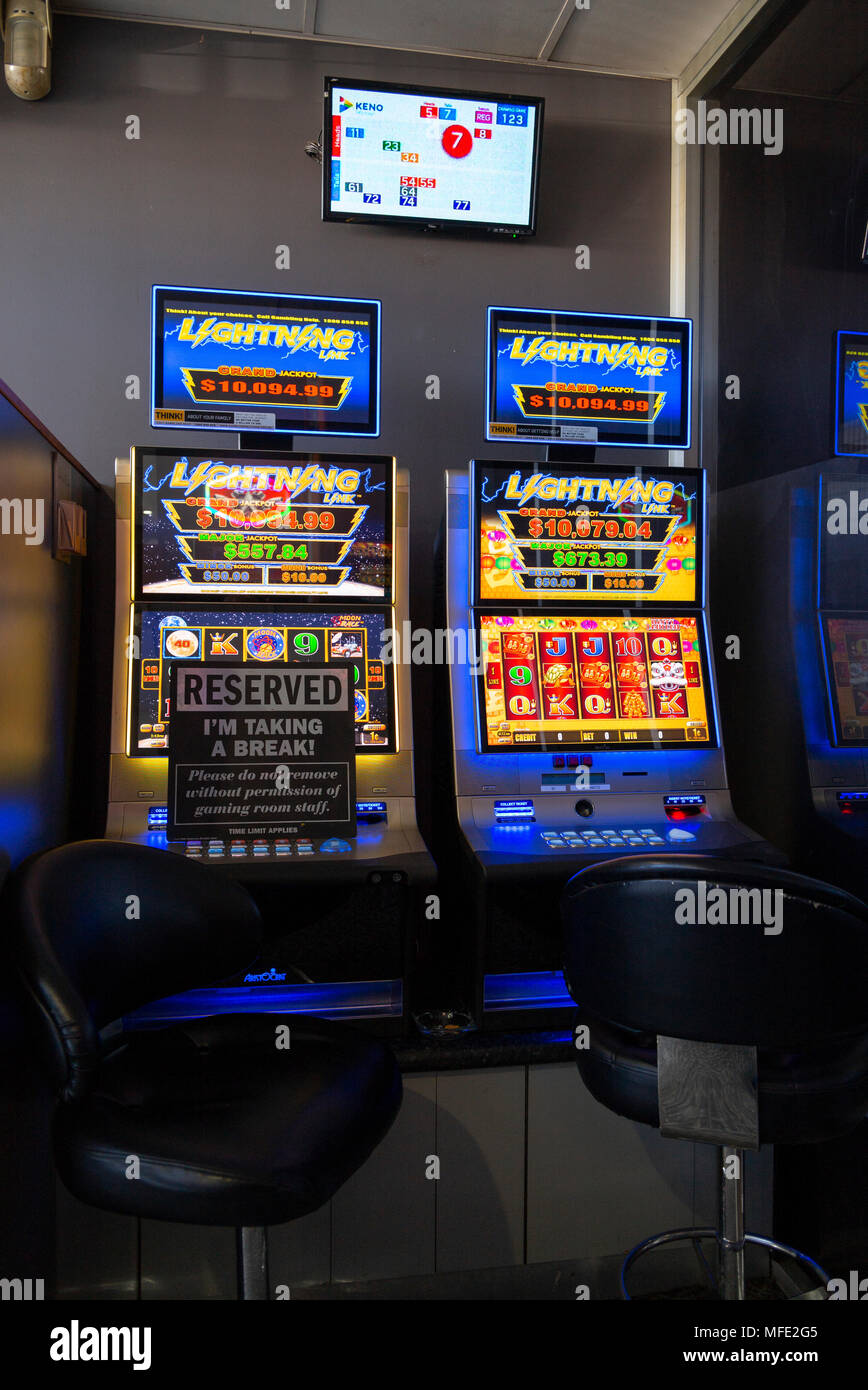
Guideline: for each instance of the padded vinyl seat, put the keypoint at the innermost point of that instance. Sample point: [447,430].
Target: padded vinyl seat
[228,1128]
[746,1029]
[804,1096]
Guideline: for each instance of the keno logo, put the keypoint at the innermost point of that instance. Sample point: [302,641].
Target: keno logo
[369,106]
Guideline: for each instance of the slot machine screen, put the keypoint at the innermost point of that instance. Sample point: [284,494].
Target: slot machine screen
[845,645]
[280,526]
[428,155]
[586,534]
[597,680]
[296,364]
[851,394]
[163,635]
[581,378]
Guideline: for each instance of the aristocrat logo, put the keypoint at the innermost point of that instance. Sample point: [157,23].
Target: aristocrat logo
[270,977]
[77,1343]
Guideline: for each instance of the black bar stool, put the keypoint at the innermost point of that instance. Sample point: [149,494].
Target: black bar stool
[725,1003]
[238,1120]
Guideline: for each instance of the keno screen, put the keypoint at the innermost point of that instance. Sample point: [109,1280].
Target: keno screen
[434,156]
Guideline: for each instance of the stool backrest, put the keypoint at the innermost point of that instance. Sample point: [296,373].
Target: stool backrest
[97,928]
[716,951]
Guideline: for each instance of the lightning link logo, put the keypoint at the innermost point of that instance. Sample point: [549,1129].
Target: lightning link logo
[307,337]
[294,481]
[617,491]
[541,348]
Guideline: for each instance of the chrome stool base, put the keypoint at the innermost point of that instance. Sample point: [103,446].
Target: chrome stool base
[734,1289]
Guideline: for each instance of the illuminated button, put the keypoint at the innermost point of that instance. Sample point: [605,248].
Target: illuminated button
[335,847]
[194,844]
[283,849]
[305,849]
[679,835]
[572,760]
[557,844]
[558,760]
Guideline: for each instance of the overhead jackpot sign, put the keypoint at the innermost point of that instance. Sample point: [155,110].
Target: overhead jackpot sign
[851,413]
[625,535]
[293,524]
[229,360]
[588,378]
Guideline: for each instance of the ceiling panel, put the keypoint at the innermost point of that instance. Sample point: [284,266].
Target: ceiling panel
[648,38]
[635,36]
[508,28]
[823,52]
[239,13]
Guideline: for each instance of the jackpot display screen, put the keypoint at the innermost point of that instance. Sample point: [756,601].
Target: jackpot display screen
[588,378]
[311,526]
[162,636]
[229,360]
[586,534]
[430,155]
[845,642]
[851,405]
[621,680]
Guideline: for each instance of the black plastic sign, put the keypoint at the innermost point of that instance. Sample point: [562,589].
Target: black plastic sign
[261,750]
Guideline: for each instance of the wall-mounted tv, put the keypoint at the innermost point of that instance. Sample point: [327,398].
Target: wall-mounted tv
[276,527]
[278,363]
[851,394]
[430,156]
[559,377]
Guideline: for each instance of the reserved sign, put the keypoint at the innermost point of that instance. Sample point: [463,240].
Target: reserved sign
[261,752]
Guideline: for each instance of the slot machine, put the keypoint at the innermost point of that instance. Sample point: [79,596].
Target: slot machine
[585,720]
[200,577]
[805,630]
[798,702]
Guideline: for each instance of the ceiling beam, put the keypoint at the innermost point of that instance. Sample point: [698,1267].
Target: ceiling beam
[71,7]
[748,23]
[555,34]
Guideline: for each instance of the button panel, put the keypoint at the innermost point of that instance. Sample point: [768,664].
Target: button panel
[260,848]
[624,838]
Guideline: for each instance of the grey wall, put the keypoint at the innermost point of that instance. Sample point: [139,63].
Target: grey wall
[90,220]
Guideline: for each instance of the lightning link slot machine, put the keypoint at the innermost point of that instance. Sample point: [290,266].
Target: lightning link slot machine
[264,556]
[585,722]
